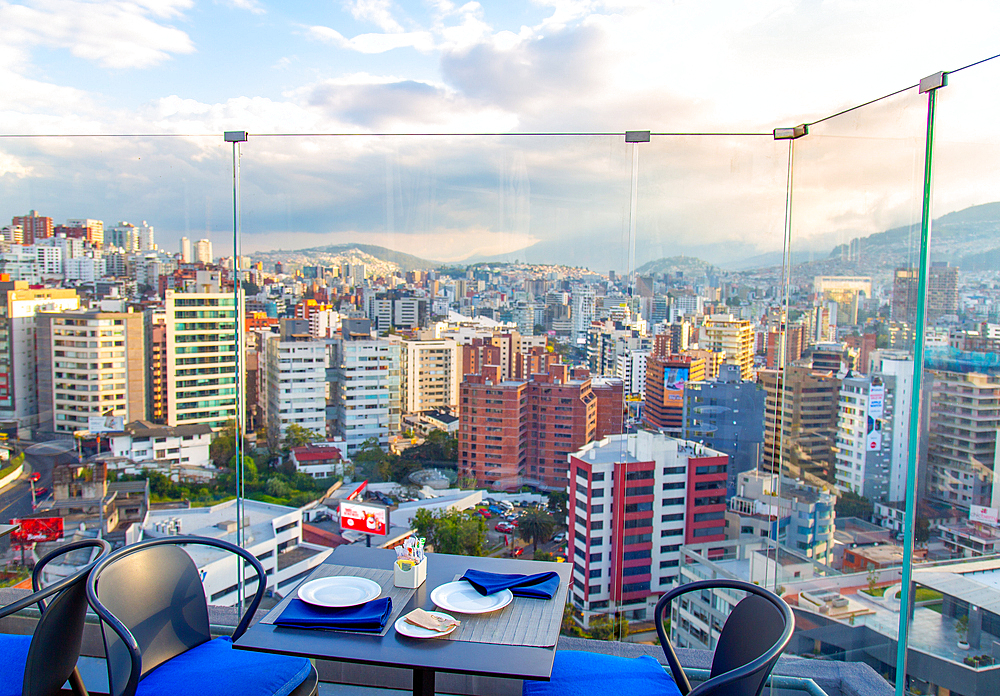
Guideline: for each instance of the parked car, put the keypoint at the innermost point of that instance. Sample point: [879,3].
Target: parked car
[35,477]
[41,492]
[495,510]
[505,527]
[559,538]
[517,552]
[485,514]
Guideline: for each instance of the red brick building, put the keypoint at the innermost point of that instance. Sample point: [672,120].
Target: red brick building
[521,432]
[663,407]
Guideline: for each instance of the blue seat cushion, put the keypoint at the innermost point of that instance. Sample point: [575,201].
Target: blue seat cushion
[214,668]
[585,674]
[13,657]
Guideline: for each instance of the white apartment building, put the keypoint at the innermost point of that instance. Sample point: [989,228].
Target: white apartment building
[200,355]
[430,376]
[84,269]
[185,250]
[272,533]
[630,368]
[90,363]
[365,390]
[634,501]
[203,251]
[873,428]
[163,446]
[296,385]
[584,300]
[34,264]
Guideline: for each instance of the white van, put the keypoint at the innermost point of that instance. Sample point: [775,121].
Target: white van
[506,506]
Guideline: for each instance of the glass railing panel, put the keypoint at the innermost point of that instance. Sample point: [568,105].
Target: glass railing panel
[447,285]
[838,446]
[953,630]
[92,227]
[681,334]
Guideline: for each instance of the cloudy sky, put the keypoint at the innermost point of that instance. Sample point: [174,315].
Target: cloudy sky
[298,76]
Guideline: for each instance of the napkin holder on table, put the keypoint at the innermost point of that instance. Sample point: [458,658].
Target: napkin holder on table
[412,577]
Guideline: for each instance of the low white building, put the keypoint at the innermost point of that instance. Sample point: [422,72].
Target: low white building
[163,446]
[320,459]
[272,533]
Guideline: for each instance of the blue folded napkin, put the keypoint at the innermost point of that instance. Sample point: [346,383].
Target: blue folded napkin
[368,617]
[538,586]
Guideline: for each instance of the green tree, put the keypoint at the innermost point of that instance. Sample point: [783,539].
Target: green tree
[544,556]
[570,627]
[558,503]
[277,487]
[536,526]
[452,531]
[922,533]
[604,627]
[249,468]
[850,504]
[223,447]
[297,436]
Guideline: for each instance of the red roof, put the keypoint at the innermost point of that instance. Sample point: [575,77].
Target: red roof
[310,453]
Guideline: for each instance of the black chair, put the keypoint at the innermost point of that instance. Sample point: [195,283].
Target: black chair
[154,619]
[39,664]
[755,634]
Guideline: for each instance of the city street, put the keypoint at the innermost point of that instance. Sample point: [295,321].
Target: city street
[15,499]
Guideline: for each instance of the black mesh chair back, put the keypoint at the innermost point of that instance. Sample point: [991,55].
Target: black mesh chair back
[156,593]
[754,636]
[753,626]
[55,644]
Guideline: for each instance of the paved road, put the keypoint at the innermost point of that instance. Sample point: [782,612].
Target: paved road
[15,500]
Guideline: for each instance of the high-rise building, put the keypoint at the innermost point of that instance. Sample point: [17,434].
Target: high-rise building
[519,432]
[185,250]
[106,379]
[873,429]
[203,251]
[962,443]
[156,349]
[33,226]
[147,241]
[666,378]
[364,389]
[722,333]
[295,367]
[727,414]
[584,299]
[124,235]
[631,370]
[18,356]
[13,234]
[634,500]
[800,420]
[430,375]
[201,354]
[942,292]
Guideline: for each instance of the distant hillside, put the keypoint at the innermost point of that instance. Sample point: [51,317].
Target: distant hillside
[333,254]
[688,265]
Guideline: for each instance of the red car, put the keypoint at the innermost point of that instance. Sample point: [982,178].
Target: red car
[35,477]
[505,527]
[517,552]
[484,513]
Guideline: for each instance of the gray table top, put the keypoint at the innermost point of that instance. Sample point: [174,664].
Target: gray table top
[464,657]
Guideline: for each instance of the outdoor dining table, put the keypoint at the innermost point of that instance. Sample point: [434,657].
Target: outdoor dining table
[511,651]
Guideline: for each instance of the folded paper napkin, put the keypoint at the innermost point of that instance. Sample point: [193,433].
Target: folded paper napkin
[369,617]
[538,586]
[433,622]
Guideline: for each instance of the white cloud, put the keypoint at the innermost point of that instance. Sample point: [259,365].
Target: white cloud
[376,11]
[374,43]
[114,34]
[249,5]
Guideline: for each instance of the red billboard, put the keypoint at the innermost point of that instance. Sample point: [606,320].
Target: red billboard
[363,517]
[34,529]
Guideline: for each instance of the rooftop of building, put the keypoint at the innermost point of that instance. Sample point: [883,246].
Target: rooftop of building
[317,452]
[144,428]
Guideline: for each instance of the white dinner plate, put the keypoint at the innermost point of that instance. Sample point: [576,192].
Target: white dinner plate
[340,591]
[408,629]
[462,597]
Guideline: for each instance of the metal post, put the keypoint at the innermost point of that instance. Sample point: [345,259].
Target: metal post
[929,85]
[237,137]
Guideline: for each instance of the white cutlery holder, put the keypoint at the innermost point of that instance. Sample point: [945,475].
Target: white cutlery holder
[412,578]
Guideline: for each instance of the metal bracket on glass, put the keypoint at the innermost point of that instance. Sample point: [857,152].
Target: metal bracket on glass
[236,136]
[791,133]
[932,82]
[637,136]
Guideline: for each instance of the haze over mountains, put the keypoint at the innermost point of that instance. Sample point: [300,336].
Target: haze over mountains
[969,238]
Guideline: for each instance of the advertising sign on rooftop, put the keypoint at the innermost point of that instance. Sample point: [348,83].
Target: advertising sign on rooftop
[364,517]
[983,515]
[106,424]
[35,529]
